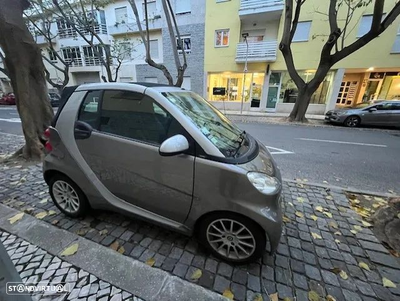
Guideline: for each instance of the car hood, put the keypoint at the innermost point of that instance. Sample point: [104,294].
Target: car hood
[345,111]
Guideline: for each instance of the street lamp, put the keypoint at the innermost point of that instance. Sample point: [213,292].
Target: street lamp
[244,35]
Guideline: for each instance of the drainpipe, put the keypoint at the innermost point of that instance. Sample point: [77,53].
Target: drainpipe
[245,35]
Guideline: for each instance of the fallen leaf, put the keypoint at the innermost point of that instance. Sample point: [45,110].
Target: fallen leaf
[325,182]
[333,225]
[29,210]
[286,219]
[398,215]
[44,201]
[16,218]
[376,205]
[257,297]
[330,298]
[354,232]
[328,214]
[300,199]
[342,209]
[103,232]
[228,294]
[82,231]
[357,227]
[379,199]
[121,250]
[336,270]
[313,296]
[367,197]
[391,191]
[274,297]
[151,261]
[337,241]
[305,180]
[299,214]
[14,183]
[314,217]
[22,180]
[337,233]
[287,299]
[300,185]
[316,236]
[355,201]
[319,208]
[51,212]
[196,274]
[364,266]
[329,197]
[71,250]
[343,275]
[366,224]
[115,245]
[54,222]
[291,204]
[388,283]
[41,215]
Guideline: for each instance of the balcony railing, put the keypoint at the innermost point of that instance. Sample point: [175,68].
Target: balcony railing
[92,61]
[258,52]
[71,33]
[260,6]
[132,27]
[77,62]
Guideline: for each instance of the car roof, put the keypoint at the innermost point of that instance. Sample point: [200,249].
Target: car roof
[116,85]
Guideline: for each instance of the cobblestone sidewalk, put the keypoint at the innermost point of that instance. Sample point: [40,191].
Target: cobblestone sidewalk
[323,236]
[35,265]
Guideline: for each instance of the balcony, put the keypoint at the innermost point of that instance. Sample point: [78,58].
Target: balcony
[249,8]
[124,28]
[258,52]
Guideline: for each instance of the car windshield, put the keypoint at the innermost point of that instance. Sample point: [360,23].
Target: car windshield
[361,105]
[229,139]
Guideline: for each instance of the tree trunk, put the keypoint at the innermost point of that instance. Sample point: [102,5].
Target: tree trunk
[26,68]
[300,107]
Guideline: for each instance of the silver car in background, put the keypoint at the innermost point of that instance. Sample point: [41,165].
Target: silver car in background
[384,113]
[165,155]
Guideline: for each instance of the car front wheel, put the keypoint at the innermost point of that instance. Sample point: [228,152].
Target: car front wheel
[67,196]
[232,237]
[352,121]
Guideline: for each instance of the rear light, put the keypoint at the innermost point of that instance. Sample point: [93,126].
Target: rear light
[47,145]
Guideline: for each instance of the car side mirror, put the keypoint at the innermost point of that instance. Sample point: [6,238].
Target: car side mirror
[174,145]
[372,110]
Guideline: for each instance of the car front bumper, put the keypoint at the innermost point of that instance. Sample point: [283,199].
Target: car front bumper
[335,118]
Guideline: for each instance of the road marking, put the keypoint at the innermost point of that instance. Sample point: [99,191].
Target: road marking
[342,142]
[278,151]
[10,120]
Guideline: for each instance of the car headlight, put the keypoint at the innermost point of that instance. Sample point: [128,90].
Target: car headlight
[341,113]
[264,183]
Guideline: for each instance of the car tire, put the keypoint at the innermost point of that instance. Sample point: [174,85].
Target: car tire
[67,196]
[352,121]
[229,245]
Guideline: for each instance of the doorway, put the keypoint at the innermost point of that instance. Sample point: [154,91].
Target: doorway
[372,89]
[273,90]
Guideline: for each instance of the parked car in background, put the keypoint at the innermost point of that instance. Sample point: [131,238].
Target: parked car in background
[166,155]
[8,99]
[54,99]
[384,113]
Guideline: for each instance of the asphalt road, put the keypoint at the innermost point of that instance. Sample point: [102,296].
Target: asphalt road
[364,159]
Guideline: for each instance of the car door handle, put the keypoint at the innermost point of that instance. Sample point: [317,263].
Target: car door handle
[82,130]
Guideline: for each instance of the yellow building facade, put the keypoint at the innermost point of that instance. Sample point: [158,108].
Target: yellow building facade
[246,71]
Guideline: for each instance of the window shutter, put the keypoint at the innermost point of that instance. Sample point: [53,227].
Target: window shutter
[182,6]
[154,49]
[302,31]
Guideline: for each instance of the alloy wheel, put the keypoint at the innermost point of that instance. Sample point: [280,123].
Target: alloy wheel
[231,239]
[66,196]
[352,121]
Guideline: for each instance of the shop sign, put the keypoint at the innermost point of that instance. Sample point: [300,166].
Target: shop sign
[219,91]
[377,75]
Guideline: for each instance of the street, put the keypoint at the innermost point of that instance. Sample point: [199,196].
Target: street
[365,159]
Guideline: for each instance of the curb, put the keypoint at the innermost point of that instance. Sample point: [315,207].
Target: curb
[124,272]
[342,189]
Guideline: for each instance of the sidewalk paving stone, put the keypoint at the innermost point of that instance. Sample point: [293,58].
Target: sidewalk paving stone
[92,290]
[308,251]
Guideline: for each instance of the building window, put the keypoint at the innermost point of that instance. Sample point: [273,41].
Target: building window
[302,32]
[92,55]
[365,24]
[154,49]
[121,15]
[182,6]
[222,38]
[52,55]
[72,55]
[65,29]
[151,9]
[185,43]
[125,51]
[396,45]
[186,84]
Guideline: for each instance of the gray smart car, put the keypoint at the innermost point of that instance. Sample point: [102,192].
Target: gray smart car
[165,155]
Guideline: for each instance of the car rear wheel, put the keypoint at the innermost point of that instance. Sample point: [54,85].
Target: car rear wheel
[67,196]
[232,237]
[352,121]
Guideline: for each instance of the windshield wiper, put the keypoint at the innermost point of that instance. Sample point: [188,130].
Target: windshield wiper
[241,139]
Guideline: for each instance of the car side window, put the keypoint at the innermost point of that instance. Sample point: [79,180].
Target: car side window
[89,111]
[384,107]
[396,107]
[136,116]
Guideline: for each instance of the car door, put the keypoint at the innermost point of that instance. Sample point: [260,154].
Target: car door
[380,116]
[123,152]
[394,117]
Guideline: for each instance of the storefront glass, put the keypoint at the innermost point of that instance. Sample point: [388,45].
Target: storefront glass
[289,90]
[228,86]
[390,89]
